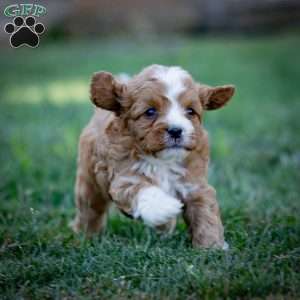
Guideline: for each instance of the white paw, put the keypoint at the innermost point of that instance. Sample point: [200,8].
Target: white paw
[156,207]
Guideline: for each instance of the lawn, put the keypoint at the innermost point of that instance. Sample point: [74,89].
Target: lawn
[255,147]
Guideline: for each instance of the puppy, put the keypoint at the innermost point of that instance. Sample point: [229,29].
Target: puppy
[146,150]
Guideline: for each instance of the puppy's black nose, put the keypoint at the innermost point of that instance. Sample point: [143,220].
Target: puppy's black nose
[175,132]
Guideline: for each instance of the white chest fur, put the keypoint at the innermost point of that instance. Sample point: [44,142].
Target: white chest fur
[167,171]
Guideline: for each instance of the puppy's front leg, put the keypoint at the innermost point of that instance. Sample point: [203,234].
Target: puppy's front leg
[141,199]
[202,216]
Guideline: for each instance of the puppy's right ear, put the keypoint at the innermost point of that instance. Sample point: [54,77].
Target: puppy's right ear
[106,92]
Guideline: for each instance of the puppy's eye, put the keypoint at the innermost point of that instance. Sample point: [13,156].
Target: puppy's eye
[151,112]
[190,111]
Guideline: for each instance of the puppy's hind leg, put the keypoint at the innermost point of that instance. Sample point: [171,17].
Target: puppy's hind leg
[92,205]
[91,208]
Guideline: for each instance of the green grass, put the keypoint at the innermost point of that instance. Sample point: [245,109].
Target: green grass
[255,169]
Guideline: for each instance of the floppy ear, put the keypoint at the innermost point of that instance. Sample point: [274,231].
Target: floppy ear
[106,91]
[215,97]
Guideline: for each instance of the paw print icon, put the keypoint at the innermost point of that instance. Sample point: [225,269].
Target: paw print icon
[24,32]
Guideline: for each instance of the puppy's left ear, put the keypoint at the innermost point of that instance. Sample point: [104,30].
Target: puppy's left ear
[215,97]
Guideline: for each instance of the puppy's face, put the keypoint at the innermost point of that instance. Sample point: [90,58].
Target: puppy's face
[161,106]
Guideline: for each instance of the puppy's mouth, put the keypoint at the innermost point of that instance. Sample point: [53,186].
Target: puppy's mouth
[178,144]
[160,143]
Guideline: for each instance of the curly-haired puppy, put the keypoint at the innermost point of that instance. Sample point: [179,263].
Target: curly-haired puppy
[146,150]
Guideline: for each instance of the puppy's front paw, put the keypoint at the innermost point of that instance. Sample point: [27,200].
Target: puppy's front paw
[156,207]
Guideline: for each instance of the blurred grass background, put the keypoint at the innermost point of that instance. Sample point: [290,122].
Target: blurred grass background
[255,144]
